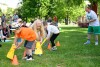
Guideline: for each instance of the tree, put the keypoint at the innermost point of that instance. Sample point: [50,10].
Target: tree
[43,8]
[95,4]
[10,11]
[0,12]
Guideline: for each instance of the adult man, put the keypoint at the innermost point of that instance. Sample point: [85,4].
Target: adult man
[93,27]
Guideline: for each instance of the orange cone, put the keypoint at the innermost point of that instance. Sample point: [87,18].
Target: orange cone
[49,46]
[24,54]
[15,61]
[58,44]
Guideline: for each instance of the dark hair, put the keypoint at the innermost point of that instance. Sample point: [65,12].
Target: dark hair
[89,6]
[45,23]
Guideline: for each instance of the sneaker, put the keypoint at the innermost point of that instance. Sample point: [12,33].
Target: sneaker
[96,43]
[29,58]
[88,42]
[54,48]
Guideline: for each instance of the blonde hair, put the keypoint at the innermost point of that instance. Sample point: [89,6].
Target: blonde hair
[41,30]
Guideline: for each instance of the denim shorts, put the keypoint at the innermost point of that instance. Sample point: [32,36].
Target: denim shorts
[28,44]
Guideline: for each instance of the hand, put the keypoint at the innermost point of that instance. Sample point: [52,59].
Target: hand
[16,47]
[88,21]
[48,39]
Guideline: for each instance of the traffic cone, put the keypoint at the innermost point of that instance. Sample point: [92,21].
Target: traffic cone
[58,44]
[38,49]
[49,46]
[15,61]
[24,54]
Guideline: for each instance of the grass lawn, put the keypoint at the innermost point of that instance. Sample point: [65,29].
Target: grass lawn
[71,53]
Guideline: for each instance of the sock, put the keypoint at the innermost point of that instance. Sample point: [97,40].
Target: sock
[96,41]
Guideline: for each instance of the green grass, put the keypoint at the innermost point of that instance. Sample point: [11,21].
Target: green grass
[71,53]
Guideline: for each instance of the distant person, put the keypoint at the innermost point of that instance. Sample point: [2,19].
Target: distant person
[6,30]
[3,18]
[31,23]
[49,20]
[1,34]
[15,17]
[93,27]
[24,24]
[55,20]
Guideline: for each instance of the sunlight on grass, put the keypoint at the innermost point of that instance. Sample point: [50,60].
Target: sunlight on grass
[12,37]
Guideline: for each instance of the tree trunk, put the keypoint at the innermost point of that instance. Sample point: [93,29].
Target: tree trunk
[94,7]
[66,20]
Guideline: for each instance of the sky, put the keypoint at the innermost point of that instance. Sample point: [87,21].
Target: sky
[10,3]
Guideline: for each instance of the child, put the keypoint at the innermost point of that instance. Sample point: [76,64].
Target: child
[5,31]
[26,34]
[39,30]
[1,34]
[52,33]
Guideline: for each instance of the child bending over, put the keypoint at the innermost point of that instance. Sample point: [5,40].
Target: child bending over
[26,34]
[52,33]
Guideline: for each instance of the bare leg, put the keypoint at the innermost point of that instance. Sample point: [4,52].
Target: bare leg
[96,39]
[89,36]
[88,41]
[33,47]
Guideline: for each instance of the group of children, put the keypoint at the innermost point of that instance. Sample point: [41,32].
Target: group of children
[38,31]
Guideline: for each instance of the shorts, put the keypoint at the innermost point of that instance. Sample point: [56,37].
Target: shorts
[94,29]
[28,44]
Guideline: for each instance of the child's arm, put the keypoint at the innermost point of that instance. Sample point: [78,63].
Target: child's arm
[22,40]
[15,40]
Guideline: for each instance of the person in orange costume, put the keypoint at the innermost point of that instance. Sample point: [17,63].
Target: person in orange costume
[25,34]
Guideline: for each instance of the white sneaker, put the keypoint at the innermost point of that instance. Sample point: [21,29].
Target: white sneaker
[29,59]
[86,43]
[96,43]
[54,48]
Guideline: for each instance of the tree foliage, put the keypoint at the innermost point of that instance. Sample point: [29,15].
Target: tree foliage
[43,8]
[0,12]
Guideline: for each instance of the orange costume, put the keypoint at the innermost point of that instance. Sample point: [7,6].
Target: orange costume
[27,34]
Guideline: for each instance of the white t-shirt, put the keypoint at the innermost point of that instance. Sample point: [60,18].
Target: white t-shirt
[1,34]
[52,30]
[91,16]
